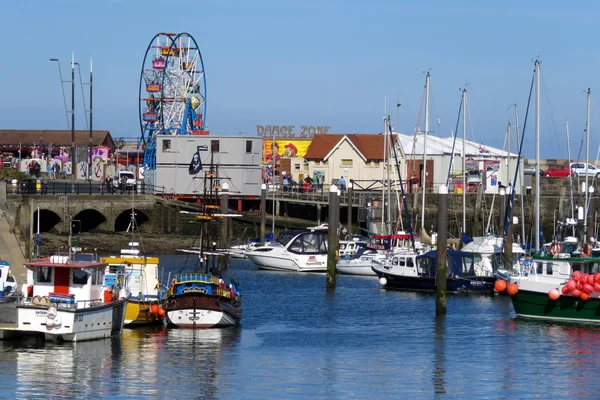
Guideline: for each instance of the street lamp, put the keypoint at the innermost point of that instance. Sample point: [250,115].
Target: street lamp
[62,88]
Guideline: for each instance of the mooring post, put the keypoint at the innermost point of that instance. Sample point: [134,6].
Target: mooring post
[332,232]
[263,212]
[502,211]
[349,222]
[442,251]
[224,210]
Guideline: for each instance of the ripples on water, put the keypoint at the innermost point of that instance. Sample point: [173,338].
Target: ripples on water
[300,341]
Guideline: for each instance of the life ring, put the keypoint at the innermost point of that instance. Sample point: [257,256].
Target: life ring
[586,250]
[554,249]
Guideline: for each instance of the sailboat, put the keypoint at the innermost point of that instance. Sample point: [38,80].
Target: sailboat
[145,306]
[562,282]
[202,299]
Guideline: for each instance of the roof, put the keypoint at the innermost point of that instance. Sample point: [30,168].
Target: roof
[55,137]
[369,146]
[441,146]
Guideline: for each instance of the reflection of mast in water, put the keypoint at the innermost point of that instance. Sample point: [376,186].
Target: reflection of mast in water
[68,370]
[201,352]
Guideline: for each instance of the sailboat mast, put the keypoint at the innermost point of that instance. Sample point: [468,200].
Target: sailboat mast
[520,178]
[587,160]
[386,176]
[464,156]
[388,186]
[570,175]
[423,177]
[274,155]
[508,133]
[537,155]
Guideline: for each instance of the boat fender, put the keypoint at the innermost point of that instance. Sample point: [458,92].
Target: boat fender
[51,314]
[586,250]
[555,249]
[57,321]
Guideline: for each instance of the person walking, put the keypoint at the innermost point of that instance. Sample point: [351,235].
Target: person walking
[342,184]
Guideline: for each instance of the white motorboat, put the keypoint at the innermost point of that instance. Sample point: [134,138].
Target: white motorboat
[8,282]
[361,262]
[299,251]
[490,249]
[65,301]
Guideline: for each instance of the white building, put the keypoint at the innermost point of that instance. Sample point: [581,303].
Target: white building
[482,162]
[236,160]
[357,157]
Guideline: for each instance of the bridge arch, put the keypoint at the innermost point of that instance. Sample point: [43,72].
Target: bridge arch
[48,220]
[87,220]
[123,220]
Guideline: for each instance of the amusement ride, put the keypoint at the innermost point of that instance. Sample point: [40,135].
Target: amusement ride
[172,91]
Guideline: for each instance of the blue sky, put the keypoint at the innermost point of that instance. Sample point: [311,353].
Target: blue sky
[315,62]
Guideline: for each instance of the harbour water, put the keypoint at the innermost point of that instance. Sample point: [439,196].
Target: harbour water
[299,341]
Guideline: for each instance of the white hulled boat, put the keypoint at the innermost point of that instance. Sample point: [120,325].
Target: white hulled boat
[299,251]
[66,301]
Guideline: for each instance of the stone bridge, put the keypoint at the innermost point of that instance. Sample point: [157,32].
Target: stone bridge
[96,212]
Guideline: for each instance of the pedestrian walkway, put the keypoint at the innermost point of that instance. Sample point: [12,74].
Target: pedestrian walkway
[10,250]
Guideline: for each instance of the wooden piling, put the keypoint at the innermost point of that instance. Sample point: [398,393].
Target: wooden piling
[349,217]
[263,210]
[224,220]
[332,238]
[442,251]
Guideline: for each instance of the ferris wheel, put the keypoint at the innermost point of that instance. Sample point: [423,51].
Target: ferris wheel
[172,91]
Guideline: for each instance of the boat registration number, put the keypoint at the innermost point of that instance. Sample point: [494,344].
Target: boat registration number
[41,313]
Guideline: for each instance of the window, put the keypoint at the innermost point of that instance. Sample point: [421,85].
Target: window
[549,268]
[296,167]
[44,274]
[98,276]
[166,145]
[540,268]
[346,163]
[214,146]
[248,146]
[80,277]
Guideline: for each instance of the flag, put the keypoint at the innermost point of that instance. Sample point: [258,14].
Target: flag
[195,164]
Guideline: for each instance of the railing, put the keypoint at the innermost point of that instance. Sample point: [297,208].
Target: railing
[38,187]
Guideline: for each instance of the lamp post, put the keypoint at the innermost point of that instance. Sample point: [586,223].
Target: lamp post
[72,152]
[62,87]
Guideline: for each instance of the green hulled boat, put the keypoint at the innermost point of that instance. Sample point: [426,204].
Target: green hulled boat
[546,273]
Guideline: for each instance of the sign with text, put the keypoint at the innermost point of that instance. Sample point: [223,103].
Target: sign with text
[285,148]
[304,131]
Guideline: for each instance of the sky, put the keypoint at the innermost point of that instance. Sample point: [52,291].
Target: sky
[315,62]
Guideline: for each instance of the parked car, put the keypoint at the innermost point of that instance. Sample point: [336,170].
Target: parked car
[530,169]
[578,169]
[558,171]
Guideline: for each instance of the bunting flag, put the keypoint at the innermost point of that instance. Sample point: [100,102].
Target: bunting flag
[195,164]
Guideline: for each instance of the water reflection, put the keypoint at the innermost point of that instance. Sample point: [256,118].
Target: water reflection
[63,370]
[439,353]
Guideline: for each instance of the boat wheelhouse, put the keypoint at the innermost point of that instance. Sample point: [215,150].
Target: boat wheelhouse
[412,272]
[145,306]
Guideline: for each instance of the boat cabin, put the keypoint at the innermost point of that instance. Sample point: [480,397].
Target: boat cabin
[308,243]
[72,284]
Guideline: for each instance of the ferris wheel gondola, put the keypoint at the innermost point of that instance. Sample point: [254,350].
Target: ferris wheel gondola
[172,91]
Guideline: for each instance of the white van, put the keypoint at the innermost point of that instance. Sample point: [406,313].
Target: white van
[126,180]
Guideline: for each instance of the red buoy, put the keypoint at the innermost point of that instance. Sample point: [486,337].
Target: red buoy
[571,284]
[565,290]
[161,312]
[587,288]
[154,309]
[584,296]
[590,279]
[576,275]
[576,292]
[500,285]
[597,287]
[554,294]
[512,289]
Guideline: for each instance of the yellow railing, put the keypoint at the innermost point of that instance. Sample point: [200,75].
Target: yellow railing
[201,278]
